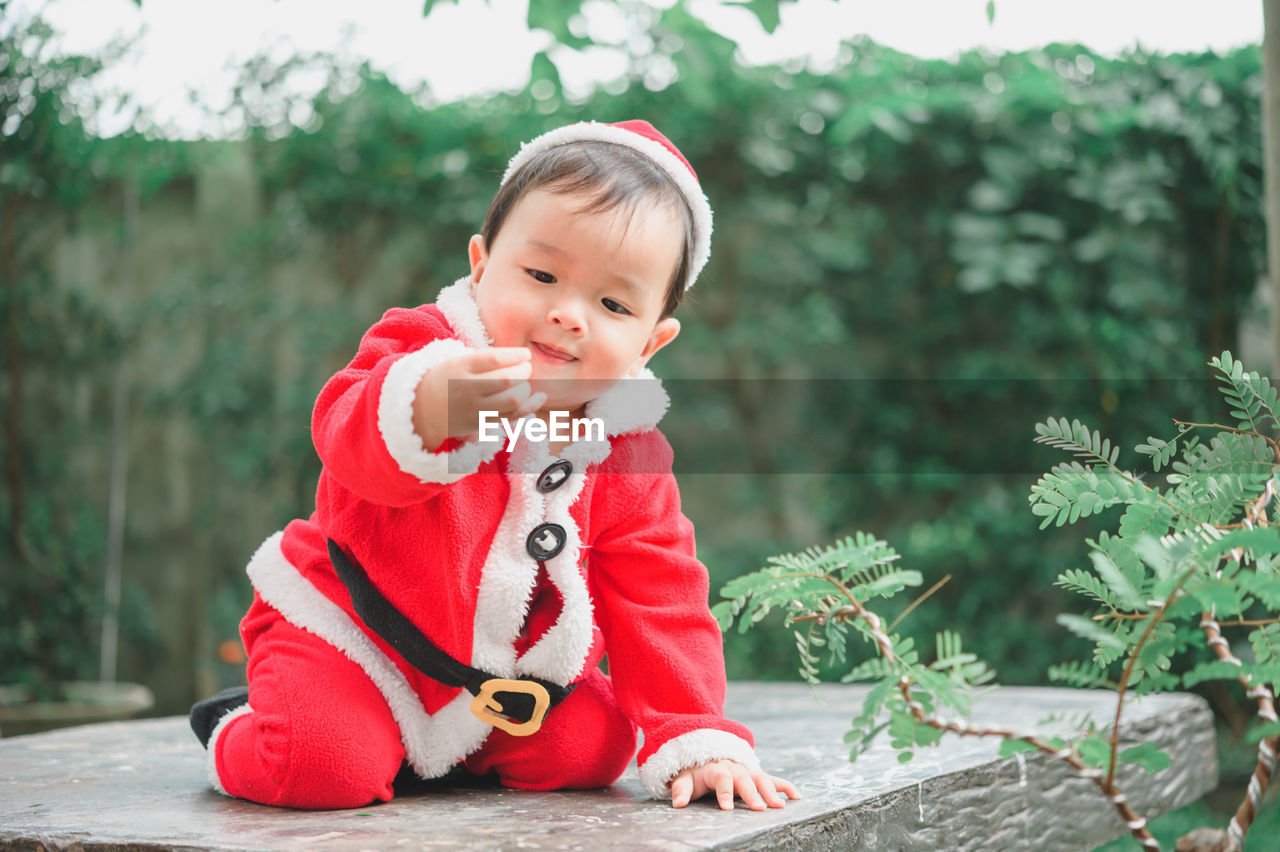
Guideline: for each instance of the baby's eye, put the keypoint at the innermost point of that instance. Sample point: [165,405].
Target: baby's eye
[613,306]
[541,277]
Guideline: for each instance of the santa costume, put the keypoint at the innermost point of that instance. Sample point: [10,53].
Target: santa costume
[452,607]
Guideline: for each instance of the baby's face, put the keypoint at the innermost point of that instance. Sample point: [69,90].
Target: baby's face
[582,291]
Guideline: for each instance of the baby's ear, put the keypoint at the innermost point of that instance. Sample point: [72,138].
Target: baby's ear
[663,333]
[479,257]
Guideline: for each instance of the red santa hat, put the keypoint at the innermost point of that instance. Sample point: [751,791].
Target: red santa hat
[643,137]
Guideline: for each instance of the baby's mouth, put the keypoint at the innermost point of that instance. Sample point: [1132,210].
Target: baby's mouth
[551,353]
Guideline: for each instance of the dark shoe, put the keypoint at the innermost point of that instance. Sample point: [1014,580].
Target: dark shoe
[206,714]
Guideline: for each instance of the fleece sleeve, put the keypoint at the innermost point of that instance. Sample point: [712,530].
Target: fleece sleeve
[362,424]
[665,654]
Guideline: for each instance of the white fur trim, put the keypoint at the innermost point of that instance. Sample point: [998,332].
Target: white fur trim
[460,309]
[561,652]
[502,601]
[395,420]
[212,758]
[434,743]
[584,453]
[506,586]
[631,405]
[655,151]
[693,749]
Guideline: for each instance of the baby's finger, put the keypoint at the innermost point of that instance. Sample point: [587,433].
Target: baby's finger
[681,790]
[767,789]
[494,358]
[480,391]
[724,789]
[509,401]
[747,790]
[531,405]
[496,380]
[782,785]
[477,387]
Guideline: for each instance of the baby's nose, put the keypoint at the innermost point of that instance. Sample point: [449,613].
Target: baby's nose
[567,315]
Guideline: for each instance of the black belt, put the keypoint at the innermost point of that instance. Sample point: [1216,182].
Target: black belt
[524,700]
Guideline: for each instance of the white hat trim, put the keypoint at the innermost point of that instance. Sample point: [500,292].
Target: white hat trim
[591,131]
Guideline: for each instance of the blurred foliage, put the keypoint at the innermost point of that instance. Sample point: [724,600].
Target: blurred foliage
[51,612]
[957,241]
[46,594]
[53,530]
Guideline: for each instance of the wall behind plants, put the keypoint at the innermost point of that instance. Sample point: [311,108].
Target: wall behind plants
[914,261]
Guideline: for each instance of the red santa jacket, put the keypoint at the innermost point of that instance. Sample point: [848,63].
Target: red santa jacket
[443,537]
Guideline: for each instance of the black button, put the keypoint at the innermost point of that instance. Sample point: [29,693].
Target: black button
[545,541]
[555,476]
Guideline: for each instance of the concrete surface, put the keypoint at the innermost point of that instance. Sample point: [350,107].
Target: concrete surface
[142,785]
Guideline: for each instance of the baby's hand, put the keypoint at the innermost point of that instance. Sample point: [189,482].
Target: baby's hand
[724,777]
[451,395]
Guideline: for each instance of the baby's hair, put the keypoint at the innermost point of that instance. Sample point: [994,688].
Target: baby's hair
[618,177]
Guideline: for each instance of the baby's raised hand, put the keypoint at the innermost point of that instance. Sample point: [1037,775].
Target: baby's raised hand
[450,395]
[726,777]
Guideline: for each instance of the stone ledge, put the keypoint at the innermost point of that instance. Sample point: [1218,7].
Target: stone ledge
[142,785]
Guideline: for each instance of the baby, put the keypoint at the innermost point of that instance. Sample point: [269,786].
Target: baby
[449,601]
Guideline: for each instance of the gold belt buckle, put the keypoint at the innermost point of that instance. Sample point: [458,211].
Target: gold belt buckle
[484,705]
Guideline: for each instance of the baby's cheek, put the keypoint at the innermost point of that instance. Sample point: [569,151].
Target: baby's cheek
[502,329]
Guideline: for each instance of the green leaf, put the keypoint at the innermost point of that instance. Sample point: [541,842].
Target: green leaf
[1010,747]
[1154,681]
[889,583]
[1147,755]
[1094,751]
[872,667]
[1088,629]
[991,12]
[1251,395]
[1145,519]
[1080,674]
[1211,670]
[1155,655]
[724,613]
[1077,439]
[1220,595]
[1125,592]
[1266,642]
[1259,539]
[1265,587]
[1156,557]
[1160,451]
[1084,583]
[808,660]
[855,559]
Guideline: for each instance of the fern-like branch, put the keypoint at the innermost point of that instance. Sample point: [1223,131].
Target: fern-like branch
[1078,439]
[1128,669]
[1251,393]
[1275,447]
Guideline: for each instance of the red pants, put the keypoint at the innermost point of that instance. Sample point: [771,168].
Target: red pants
[321,735]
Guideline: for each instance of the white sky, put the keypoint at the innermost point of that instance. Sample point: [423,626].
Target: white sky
[479,46]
